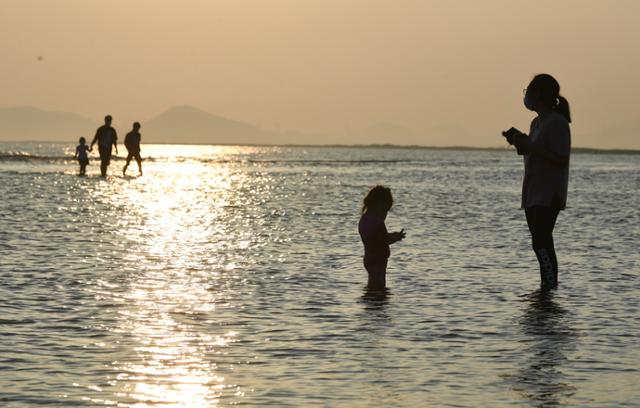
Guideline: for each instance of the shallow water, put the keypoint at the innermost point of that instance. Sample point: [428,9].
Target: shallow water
[232,275]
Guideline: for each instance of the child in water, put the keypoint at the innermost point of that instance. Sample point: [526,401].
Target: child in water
[82,156]
[374,235]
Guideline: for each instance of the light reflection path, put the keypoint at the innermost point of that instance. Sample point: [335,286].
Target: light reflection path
[166,219]
[129,292]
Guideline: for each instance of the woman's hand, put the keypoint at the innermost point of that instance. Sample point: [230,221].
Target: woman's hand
[520,141]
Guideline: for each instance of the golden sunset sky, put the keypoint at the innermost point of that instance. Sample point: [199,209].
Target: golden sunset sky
[332,67]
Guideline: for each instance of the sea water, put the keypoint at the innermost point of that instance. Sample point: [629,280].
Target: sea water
[233,275]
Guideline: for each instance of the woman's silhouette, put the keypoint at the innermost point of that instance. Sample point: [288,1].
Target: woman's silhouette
[546,153]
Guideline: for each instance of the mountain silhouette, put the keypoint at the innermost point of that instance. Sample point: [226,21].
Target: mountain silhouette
[382,133]
[186,124]
[29,123]
[180,124]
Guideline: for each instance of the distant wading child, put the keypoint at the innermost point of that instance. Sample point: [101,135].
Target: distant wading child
[374,235]
[82,155]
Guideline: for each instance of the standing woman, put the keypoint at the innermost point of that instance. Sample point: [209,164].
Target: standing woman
[546,168]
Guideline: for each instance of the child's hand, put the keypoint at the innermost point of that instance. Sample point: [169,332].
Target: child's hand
[398,236]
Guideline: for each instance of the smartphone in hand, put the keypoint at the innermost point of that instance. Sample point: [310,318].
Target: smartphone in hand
[510,134]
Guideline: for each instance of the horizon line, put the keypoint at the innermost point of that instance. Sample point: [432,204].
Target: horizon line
[367,146]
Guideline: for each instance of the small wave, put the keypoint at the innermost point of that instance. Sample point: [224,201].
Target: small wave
[312,161]
[302,161]
[28,157]
[20,156]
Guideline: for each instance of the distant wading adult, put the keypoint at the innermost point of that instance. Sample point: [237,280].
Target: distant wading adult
[546,154]
[106,138]
[132,143]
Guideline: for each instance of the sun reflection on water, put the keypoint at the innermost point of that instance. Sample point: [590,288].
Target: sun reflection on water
[170,214]
[238,280]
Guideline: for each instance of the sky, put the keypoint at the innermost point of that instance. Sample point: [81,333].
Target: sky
[330,67]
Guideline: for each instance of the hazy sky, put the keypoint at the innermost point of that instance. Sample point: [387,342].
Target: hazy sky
[329,66]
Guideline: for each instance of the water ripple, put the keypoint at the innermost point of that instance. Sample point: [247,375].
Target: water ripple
[232,275]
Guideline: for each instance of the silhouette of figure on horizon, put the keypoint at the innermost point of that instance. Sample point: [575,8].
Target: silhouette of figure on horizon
[375,237]
[82,155]
[546,152]
[107,138]
[132,143]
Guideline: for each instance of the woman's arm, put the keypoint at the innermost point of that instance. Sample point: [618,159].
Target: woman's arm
[560,160]
[555,146]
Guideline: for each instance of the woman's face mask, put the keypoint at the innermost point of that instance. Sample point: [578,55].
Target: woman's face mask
[529,100]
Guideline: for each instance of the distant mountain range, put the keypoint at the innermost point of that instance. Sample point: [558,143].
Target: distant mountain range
[181,124]
[187,124]
[28,123]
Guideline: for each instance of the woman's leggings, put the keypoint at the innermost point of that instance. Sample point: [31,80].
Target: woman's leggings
[541,220]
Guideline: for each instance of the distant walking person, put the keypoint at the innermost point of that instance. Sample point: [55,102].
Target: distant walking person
[546,168]
[82,156]
[106,138]
[375,237]
[132,143]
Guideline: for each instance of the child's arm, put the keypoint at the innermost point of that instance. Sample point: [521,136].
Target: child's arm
[395,236]
[75,156]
